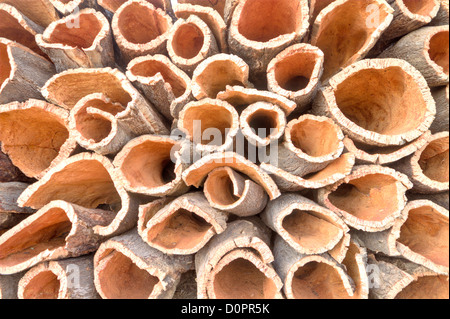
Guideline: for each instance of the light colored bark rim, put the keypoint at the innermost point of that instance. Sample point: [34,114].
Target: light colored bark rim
[66,7]
[425,19]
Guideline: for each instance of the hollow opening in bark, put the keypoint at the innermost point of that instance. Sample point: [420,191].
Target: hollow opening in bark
[371,197]
[181,230]
[188,40]
[388,101]
[426,233]
[439,47]
[241,279]
[315,138]
[220,188]
[149,164]
[121,278]
[150,68]
[264,122]
[427,287]
[46,233]
[293,73]
[79,37]
[318,280]
[44,285]
[140,24]
[434,160]
[310,229]
[423,8]
[5,65]
[264,20]
[342,165]
[218,5]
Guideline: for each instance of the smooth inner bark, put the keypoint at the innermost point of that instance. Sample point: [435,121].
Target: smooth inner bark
[423,7]
[439,47]
[44,285]
[188,41]
[5,65]
[427,287]
[293,73]
[434,160]
[264,122]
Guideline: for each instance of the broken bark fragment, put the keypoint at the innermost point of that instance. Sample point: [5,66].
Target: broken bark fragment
[126,267]
[345,31]
[140,29]
[427,50]
[190,42]
[35,136]
[72,278]
[163,84]
[441,96]
[41,12]
[315,7]
[355,263]
[184,225]
[369,199]
[229,191]
[9,172]
[9,193]
[9,285]
[114,5]
[393,106]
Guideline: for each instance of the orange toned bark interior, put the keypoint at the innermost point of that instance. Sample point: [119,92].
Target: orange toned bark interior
[181,230]
[371,197]
[342,165]
[140,25]
[45,285]
[438,51]
[218,5]
[317,280]
[149,164]
[293,73]
[5,66]
[220,188]
[188,40]
[426,232]
[32,138]
[434,160]
[150,68]
[264,123]
[319,5]
[46,233]
[241,279]
[387,101]
[113,5]
[315,138]
[121,278]
[427,287]
[264,20]
[423,7]
[309,229]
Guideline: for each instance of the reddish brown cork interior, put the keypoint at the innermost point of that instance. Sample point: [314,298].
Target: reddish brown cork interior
[121,278]
[150,68]
[181,230]
[264,123]
[439,47]
[140,24]
[371,197]
[5,65]
[434,160]
[388,101]
[79,37]
[32,138]
[315,138]
[149,164]
[426,233]
[241,279]
[44,285]
[264,20]
[113,5]
[319,5]
[424,7]
[351,264]
[188,40]
[317,280]
[427,287]
[218,5]
[48,232]
[220,188]
[310,229]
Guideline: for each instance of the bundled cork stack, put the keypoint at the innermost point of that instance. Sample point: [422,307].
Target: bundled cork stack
[224,149]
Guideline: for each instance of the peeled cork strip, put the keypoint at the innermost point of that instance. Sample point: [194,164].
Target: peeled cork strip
[41,12]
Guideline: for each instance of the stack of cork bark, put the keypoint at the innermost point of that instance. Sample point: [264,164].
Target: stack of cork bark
[230,149]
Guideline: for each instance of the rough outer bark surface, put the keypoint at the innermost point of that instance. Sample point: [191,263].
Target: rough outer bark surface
[9,193]
[41,12]
[442,199]
[9,172]
[443,15]
[355,263]
[441,96]
[9,285]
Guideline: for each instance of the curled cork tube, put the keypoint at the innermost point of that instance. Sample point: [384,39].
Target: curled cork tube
[22,73]
[89,174]
[41,12]
[214,74]
[35,136]
[140,29]
[165,86]
[369,199]
[307,227]
[203,121]
[114,5]
[355,263]
[125,267]
[310,276]
[218,5]
[9,193]
[190,42]
[66,7]
[262,123]
[295,74]
[398,279]
[89,45]
[196,174]
[407,113]
[9,172]
[183,226]
[346,30]
[315,6]
[229,191]
[152,165]
[9,285]
[72,278]
[259,30]
[441,96]
[427,50]
[57,231]
[427,168]
[138,115]
[442,17]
